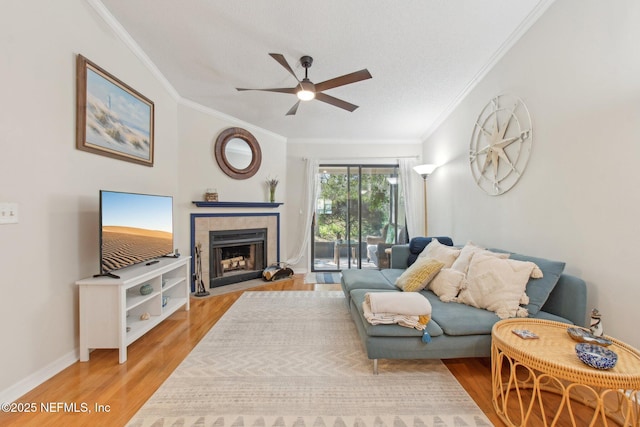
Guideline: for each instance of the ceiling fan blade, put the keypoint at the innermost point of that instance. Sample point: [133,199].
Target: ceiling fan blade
[343,80]
[335,102]
[282,61]
[292,111]
[291,90]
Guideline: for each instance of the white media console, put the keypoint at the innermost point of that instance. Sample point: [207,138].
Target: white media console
[111,309]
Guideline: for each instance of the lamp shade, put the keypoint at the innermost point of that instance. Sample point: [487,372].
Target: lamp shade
[307,91]
[425,170]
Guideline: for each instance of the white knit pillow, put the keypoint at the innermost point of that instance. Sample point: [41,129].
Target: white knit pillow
[468,251]
[498,285]
[447,284]
[443,253]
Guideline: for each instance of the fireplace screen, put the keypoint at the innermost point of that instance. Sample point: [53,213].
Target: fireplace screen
[236,255]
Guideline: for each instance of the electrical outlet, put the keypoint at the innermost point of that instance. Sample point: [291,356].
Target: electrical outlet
[8,213]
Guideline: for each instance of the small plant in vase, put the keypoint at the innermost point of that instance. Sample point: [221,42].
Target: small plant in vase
[272,183]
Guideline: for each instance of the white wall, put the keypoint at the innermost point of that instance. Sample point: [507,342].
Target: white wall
[56,186]
[577,70]
[198,169]
[354,152]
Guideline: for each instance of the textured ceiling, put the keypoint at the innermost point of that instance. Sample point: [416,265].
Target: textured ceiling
[424,55]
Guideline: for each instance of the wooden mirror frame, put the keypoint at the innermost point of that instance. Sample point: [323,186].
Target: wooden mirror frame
[256,154]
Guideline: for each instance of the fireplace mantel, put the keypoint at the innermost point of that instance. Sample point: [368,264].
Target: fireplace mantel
[203,204]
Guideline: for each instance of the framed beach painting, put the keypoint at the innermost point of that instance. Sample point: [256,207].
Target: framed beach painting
[112,118]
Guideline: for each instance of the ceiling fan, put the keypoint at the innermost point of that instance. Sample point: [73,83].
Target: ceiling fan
[306,90]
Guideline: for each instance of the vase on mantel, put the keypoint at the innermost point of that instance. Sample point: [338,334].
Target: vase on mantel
[272,183]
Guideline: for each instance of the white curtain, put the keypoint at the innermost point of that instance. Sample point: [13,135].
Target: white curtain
[311,188]
[411,184]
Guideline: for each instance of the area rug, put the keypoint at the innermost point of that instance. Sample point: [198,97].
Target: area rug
[293,359]
[323,278]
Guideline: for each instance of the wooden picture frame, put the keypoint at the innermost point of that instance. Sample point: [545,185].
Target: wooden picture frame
[112,118]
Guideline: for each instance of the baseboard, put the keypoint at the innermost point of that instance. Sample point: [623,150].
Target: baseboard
[27,384]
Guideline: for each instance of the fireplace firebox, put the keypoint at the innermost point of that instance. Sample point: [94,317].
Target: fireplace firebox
[236,255]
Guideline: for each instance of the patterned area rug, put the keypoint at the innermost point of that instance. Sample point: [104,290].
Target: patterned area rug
[323,278]
[293,359]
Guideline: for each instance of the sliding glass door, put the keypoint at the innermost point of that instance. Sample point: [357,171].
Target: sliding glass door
[358,216]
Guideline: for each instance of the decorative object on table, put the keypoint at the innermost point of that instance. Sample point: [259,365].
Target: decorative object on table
[146,289]
[238,153]
[165,300]
[595,325]
[276,271]
[211,195]
[582,335]
[106,124]
[500,144]
[424,171]
[596,356]
[525,334]
[272,183]
[145,316]
[200,289]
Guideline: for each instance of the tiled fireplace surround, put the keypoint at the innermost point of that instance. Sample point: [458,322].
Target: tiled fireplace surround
[202,223]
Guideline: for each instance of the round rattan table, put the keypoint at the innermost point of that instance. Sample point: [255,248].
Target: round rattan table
[523,371]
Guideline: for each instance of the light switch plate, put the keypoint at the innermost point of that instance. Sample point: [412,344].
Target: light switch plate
[8,213]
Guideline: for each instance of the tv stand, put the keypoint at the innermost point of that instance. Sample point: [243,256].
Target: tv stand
[113,310]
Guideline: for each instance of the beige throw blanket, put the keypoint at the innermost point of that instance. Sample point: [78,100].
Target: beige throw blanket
[410,309]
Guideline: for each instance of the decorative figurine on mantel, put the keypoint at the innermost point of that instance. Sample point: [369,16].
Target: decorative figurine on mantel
[211,195]
[595,324]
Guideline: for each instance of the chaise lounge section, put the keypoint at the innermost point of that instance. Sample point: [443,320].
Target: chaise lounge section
[456,330]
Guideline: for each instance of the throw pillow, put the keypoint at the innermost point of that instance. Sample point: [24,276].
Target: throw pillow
[468,251]
[539,288]
[498,285]
[418,276]
[447,284]
[443,253]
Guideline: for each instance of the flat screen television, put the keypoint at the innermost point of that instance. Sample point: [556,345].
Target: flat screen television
[134,228]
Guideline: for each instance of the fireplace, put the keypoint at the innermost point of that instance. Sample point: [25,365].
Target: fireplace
[236,255]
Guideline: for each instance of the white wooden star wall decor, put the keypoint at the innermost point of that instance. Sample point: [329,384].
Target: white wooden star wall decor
[500,144]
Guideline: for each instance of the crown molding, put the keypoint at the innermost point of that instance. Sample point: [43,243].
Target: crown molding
[524,26]
[126,38]
[222,116]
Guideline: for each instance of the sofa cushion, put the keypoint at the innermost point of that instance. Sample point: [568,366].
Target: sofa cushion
[365,279]
[459,319]
[417,245]
[357,298]
[498,285]
[418,276]
[392,274]
[539,290]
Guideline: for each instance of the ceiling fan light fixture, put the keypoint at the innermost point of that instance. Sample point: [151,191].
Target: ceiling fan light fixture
[307,91]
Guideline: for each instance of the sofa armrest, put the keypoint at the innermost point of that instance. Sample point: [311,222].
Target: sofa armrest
[568,299]
[399,256]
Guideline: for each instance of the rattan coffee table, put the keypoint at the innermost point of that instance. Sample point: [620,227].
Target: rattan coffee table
[523,371]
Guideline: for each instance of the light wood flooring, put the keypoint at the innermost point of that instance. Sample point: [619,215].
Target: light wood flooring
[121,389]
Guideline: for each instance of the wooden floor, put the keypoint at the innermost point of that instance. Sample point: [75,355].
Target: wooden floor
[103,392]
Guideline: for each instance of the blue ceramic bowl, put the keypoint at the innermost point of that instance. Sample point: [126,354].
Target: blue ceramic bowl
[596,356]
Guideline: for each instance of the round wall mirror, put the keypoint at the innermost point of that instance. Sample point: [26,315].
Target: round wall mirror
[238,153]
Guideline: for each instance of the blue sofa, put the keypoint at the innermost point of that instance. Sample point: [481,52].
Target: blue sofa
[456,330]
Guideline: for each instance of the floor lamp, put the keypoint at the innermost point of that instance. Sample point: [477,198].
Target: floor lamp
[424,171]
